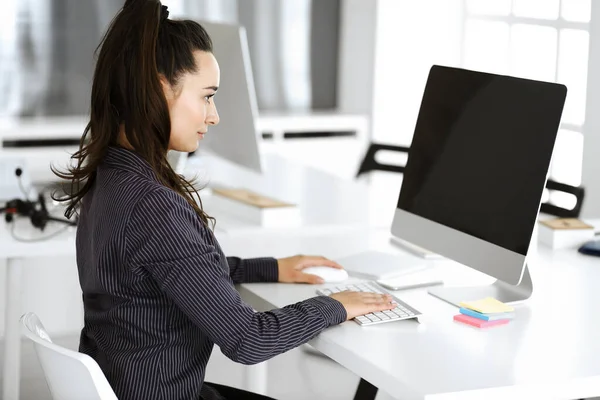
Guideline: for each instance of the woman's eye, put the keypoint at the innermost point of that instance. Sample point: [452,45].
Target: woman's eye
[207,98]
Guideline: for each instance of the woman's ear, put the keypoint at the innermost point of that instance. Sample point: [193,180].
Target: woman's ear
[167,88]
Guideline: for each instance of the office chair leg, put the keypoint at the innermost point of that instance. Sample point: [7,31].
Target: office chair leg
[365,391]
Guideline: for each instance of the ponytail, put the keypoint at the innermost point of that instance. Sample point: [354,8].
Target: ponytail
[140,45]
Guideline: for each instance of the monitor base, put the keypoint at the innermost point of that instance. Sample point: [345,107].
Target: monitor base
[499,290]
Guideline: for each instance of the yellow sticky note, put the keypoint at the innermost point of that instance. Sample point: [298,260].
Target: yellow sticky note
[489,305]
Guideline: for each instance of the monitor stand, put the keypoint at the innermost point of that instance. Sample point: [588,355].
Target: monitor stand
[499,290]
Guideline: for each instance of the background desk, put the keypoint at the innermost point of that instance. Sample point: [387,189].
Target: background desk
[15,252]
[550,351]
[326,202]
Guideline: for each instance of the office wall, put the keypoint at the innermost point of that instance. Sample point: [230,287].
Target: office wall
[358,28]
[46,50]
[591,130]
[324,51]
[46,54]
[293,49]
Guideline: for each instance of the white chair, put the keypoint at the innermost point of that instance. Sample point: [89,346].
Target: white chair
[70,375]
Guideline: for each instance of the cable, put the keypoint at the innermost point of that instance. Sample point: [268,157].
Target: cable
[35,210]
[39,239]
[61,220]
[23,189]
[18,173]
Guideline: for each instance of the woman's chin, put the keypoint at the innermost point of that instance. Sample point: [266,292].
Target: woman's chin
[187,148]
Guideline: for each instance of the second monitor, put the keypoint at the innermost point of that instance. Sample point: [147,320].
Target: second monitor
[235,138]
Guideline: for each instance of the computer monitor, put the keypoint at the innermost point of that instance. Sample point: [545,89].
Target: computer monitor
[475,175]
[235,138]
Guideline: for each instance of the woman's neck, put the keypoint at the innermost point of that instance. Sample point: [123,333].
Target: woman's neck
[122,139]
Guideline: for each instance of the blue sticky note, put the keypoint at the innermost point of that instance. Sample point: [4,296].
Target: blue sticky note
[486,317]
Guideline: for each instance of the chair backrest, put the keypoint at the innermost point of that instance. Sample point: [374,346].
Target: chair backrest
[561,212]
[369,163]
[70,375]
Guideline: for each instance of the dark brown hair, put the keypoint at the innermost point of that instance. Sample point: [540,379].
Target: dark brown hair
[140,45]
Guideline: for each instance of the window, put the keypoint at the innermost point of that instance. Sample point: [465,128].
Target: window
[537,39]
[411,37]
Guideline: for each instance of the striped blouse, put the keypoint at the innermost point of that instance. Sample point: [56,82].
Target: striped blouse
[158,291]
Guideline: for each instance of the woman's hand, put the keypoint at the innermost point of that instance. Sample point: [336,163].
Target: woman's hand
[361,303]
[290,268]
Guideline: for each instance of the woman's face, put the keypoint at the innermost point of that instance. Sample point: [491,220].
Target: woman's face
[191,104]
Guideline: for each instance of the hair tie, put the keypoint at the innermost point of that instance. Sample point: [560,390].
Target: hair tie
[164,13]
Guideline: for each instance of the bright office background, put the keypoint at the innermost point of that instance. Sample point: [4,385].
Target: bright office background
[367,57]
[538,39]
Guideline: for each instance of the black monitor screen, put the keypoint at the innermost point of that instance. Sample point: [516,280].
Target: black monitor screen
[481,152]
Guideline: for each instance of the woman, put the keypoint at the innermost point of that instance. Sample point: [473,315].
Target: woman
[158,291]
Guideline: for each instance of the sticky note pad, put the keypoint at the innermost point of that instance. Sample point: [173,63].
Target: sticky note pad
[489,305]
[486,317]
[479,323]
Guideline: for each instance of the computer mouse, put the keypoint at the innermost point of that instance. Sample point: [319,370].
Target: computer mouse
[328,274]
[591,248]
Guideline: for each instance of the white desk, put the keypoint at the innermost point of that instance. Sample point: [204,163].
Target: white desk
[550,351]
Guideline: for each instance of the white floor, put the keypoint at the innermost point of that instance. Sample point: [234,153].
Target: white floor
[296,375]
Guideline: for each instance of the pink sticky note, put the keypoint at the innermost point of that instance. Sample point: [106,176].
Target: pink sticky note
[479,323]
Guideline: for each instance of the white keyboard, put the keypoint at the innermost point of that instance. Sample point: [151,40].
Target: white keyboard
[401,312]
